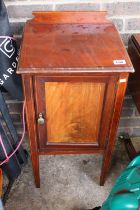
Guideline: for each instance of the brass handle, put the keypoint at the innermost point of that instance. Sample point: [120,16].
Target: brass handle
[40,119]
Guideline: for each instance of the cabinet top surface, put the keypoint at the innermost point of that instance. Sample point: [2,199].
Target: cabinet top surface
[72,41]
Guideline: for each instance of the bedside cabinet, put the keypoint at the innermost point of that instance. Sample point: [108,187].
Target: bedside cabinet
[74,69]
[134,80]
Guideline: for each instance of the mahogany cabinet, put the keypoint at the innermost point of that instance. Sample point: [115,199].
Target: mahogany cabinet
[134,80]
[74,69]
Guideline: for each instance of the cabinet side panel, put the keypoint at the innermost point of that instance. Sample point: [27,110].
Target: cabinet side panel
[73,111]
[121,88]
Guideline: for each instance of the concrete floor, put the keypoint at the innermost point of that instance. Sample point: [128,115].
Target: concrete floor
[68,182]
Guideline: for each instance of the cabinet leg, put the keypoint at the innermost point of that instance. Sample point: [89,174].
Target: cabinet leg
[105,167]
[35,164]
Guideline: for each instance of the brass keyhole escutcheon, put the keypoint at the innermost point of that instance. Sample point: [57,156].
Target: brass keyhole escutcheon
[40,119]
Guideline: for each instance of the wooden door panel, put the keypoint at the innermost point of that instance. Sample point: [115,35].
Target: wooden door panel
[77,110]
[73,111]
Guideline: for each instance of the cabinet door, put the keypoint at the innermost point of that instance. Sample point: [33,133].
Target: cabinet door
[73,109]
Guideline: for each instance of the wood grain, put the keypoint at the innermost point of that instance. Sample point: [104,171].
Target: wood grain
[73,46]
[70,17]
[73,111]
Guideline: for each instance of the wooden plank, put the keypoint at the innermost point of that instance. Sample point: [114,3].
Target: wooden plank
[58,17]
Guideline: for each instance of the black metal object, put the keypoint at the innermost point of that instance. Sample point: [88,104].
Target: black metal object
[96,208]
[13,167]
[130,149]
[6,194]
